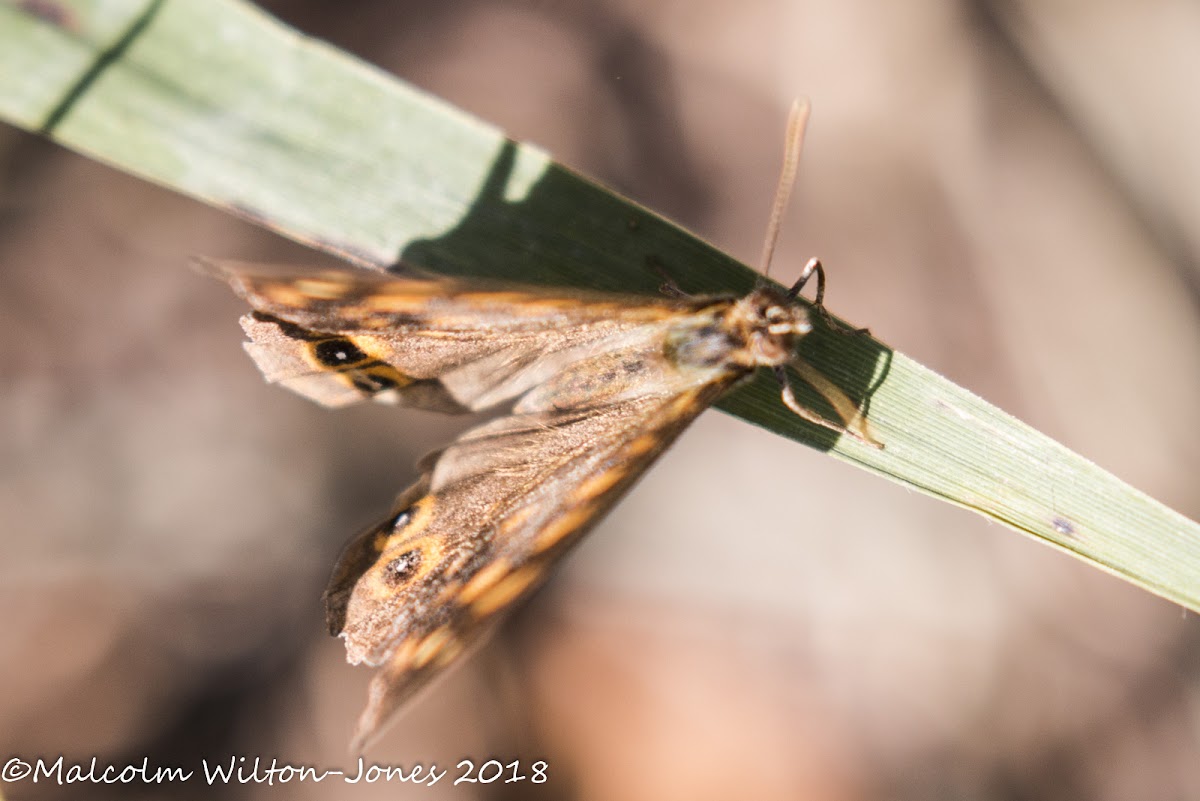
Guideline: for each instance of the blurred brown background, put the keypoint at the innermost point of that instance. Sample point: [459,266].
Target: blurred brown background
[1008,192]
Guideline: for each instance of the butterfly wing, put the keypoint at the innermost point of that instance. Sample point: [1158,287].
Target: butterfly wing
[483,525]
[340,336]
[602,392]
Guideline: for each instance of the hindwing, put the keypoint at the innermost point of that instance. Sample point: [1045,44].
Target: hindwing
[481,528]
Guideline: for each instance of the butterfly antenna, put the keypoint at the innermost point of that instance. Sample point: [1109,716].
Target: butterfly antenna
[797,123]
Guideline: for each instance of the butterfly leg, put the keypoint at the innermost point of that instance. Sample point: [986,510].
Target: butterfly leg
[814,267]
[668,286]
[855,425]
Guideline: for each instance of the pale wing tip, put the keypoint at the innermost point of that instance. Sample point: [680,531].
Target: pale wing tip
[405,676]
[384,699]
[365,735]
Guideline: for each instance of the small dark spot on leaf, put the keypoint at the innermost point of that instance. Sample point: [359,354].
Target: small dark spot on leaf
[1064,526]
[49,11]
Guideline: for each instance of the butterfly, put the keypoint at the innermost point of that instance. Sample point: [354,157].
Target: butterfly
[599,386]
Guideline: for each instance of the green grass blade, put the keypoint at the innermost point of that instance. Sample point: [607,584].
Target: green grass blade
[216,100]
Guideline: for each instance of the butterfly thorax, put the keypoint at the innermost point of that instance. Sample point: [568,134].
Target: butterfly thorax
[758,330]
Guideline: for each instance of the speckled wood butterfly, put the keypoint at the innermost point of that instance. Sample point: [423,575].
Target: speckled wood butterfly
[602,385]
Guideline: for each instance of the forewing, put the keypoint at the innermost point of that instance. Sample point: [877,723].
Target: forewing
[602,393]
[339,336]
[481,528]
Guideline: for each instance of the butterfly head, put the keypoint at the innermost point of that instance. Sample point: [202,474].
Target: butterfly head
[769,324]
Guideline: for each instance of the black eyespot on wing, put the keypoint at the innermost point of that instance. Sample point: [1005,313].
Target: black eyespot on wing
[402,568]
[338,353]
